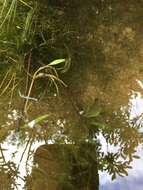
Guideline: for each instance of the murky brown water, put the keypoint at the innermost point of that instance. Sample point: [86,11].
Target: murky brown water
[94,126]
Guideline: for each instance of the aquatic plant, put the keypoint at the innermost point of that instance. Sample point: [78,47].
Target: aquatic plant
[32,35]
[25,50]
[52,75]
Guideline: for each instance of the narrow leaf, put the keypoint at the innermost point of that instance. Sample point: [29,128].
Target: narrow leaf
[135,156]
[32,123]
[113,176]
[57,62]
[92,114]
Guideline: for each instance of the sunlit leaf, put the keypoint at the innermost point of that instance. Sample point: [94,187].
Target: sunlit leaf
[57,62]
[125,172]
[39,119]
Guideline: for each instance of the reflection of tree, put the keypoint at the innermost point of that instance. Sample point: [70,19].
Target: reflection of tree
[85,149]
[80,160]
[8,173]
[121,136]
[103,56]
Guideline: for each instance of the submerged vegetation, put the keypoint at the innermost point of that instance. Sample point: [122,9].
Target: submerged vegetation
[63,66]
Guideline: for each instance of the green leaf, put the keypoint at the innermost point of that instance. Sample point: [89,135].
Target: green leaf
[91,114]
[32,123]
[41,118]
[99,125]
[113,176]
[135,156]
[125,172]
[92,111]
[57,62]
[24,3]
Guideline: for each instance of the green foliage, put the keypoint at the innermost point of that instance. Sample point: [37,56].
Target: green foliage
[26,49]
[57,62]
[36,121]
[32,38]
[91,113]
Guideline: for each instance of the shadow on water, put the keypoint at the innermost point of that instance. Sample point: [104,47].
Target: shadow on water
[94,125]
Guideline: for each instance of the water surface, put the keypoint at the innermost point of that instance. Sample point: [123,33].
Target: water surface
[97,117]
